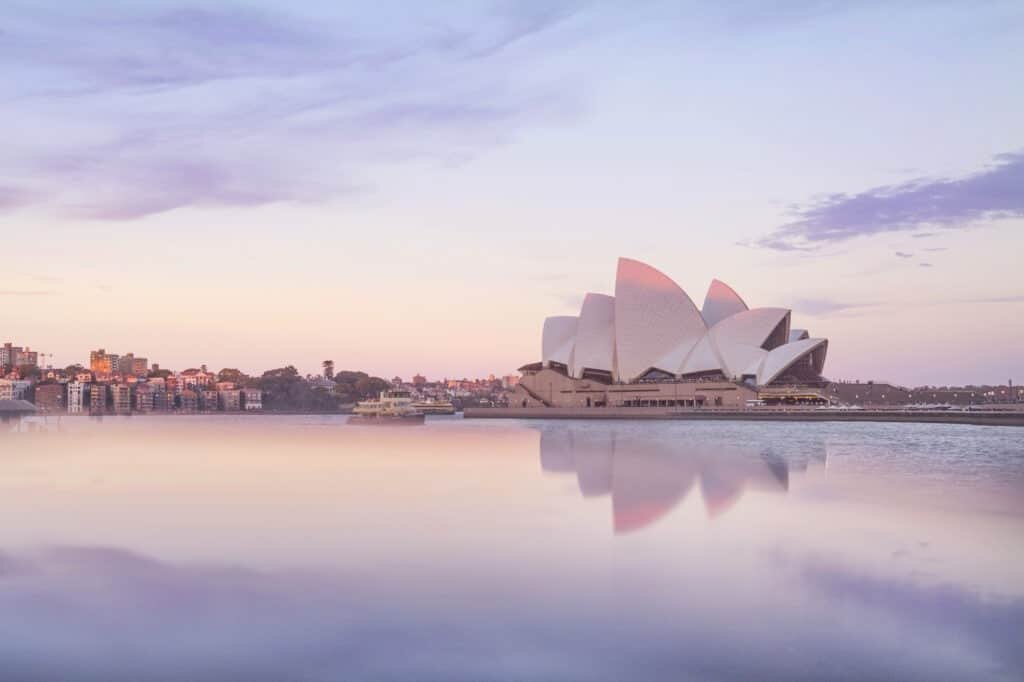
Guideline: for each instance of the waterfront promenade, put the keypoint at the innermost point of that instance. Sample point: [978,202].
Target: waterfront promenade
[976,417]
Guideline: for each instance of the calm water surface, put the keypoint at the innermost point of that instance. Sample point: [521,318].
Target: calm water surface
[302,548]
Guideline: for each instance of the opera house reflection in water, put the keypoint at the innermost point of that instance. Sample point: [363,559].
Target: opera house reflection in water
[647,476]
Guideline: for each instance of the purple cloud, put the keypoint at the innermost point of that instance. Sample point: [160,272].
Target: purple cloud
[992,193]
[925,265]
[902,254]
[179,107]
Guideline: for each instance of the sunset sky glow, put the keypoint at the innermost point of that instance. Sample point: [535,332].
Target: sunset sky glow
[412,187]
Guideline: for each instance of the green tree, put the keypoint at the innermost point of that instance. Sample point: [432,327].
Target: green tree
[284,389]
[235,376]
[328,369]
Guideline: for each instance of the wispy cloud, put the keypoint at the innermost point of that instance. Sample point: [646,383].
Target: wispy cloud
[27,292]
[936,249]
[820,306]
[903,254]
[998,299]
[925,265]
[230,105]
[992,193]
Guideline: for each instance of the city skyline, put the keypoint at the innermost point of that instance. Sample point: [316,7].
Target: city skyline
[412,190]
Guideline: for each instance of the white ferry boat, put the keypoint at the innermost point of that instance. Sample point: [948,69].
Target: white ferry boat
[392,406]
[434,406]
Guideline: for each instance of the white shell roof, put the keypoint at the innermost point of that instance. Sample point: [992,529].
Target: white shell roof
[558,339]
[721,302]
[703,358]
[595,336]
[652,323]
[656,323]
[798,334]
[783,357]
[738,339]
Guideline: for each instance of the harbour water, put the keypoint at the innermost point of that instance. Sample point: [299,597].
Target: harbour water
[305,548]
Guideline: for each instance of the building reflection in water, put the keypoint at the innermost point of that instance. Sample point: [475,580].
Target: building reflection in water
[647,475]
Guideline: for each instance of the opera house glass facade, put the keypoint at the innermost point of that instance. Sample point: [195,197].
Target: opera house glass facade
[649,345]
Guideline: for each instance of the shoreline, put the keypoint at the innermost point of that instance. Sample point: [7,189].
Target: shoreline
[975,418]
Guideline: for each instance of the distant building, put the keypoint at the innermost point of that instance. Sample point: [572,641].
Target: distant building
[76,396]
[26,358]
[189,401]
[101,364]
[419,380]
[253,399]
[162,400]
[230,400]
[140,367]
[121,398]
[196,378]
[49,397]
[97,398]
[145,395]
[15,356]
[7,355]
[208,400]
[14,389]
[323,383]
[129,365]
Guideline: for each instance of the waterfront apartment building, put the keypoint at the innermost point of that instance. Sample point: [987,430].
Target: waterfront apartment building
[208,401]
[49,397]
[76,396]
[11,389]
[253,399]
[230,400]
[97,398]
[121,398]
[189,401]
[144,398]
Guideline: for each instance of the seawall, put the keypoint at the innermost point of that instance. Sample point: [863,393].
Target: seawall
[978,418]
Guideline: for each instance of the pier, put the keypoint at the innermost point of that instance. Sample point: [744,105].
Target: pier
[973,417]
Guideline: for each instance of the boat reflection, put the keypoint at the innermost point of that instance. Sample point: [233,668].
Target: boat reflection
[646,475]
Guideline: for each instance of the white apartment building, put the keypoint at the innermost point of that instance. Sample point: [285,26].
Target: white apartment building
[76,396]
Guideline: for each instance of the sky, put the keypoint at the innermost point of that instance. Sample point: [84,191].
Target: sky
[412,187]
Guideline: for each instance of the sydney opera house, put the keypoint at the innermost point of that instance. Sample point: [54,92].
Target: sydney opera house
[650,346]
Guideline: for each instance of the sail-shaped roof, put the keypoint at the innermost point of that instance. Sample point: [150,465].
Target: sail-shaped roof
[784,357]
[656,323]
[740,339]
[558,339]
[595,336]
[721,302]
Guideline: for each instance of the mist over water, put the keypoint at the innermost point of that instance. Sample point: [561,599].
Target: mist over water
[304,548]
